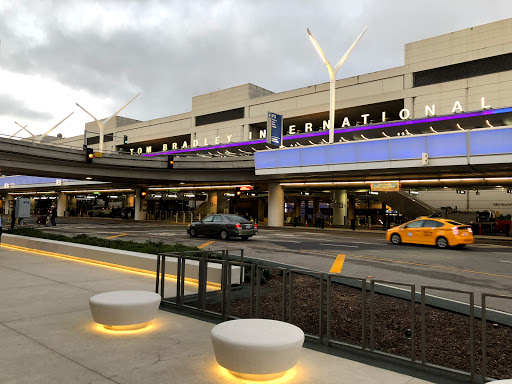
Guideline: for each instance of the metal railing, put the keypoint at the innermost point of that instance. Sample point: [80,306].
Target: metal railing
[252,297]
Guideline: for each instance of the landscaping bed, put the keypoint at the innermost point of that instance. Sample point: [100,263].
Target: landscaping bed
[447,333]
[149,246]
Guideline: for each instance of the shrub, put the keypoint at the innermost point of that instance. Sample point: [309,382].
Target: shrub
[148,247]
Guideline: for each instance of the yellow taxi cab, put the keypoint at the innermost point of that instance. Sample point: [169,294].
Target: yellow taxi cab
[432,231]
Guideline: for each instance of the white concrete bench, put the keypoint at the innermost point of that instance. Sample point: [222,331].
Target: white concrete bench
[122,310]
[257,349]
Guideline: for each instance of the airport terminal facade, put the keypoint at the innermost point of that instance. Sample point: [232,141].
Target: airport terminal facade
[449,75]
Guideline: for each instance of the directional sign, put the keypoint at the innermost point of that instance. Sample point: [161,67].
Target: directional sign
[274,129]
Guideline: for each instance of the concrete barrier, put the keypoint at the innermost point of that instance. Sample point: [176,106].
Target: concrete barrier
[144,262]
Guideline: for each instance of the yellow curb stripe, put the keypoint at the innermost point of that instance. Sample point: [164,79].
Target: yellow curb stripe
[338,264]
[422,265]
[111,237]
[206,244]
[104,264]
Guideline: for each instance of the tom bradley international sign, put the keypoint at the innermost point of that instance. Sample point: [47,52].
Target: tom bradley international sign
[293,130]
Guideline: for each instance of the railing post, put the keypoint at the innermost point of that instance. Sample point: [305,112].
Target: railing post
[321,311]
[162,278]
[329,304]
[258,286]
[157,272]
[283,306]
[423,328]
[484,339]
[372,316]
[363,313]
[290,298]
[413,323]
[253,277]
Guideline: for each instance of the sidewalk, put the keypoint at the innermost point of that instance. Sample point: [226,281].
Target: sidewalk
[48,335]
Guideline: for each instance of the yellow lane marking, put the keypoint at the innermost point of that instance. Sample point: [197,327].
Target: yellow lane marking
[111,237]
[338,264]
[206,244]
[422,265]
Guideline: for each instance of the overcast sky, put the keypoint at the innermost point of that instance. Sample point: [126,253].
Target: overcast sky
[102,53]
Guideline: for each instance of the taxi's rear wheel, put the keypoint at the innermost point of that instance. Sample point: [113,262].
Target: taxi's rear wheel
[193,232]
[441,242]
[395,239]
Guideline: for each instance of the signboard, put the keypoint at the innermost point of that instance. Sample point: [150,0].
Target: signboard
[385,187]
[274,129]
[246,188]
[98,154]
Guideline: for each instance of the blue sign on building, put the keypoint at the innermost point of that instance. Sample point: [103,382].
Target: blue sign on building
[274,129]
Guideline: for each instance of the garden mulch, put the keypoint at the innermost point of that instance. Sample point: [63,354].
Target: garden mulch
[447,333]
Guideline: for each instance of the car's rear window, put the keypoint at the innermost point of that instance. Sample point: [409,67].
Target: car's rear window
[453,222]
[236,218]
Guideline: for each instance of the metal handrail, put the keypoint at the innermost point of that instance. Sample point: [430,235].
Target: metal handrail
[325,306]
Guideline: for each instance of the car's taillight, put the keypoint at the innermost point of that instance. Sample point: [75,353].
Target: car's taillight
[238,226]
[470,230]
[255,225]
[455,230]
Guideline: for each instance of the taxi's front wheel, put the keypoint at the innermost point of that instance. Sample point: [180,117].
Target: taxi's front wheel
[442,243]
[395,239]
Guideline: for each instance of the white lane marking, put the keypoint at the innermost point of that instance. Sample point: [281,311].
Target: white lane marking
[287,241]
[505,261]
[340,245]
[503,253]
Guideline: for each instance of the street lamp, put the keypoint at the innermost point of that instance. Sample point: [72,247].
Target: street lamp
[332,76]
[102,124]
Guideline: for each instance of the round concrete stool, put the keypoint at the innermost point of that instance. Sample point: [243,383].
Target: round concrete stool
[123,310]
[257,349]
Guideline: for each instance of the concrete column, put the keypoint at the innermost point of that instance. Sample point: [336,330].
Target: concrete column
[130,200]
[351,209]
[8,203]
[139,206]
[247,127]
[340,207]
[261,210]
[297,208]
[212,203]
[275,205]
[409,104]
[62,204]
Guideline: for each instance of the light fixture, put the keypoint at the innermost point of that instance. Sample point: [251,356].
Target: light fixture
[489,124]
[364,137]
[384,133]
[332,78]
[458,126]
[88,178]
[433,130]
[408,133]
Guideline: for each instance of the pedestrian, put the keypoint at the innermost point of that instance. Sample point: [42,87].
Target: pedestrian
[53,215]
[319,218]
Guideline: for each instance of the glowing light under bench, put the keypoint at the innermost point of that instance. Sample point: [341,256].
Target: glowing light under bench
[124,310]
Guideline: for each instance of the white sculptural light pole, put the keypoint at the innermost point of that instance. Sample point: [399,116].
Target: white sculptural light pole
[55,126]
[102,124]
[44,134]
[332,76]
[25,128]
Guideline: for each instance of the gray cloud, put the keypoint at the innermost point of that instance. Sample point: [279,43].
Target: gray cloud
[197,47]
[10,106]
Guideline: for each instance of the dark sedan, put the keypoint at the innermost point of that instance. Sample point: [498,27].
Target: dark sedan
[223,226]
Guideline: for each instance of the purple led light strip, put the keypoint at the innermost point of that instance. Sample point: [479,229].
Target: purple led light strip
[341,130]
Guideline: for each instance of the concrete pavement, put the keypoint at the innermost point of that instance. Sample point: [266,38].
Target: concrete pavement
[48,336]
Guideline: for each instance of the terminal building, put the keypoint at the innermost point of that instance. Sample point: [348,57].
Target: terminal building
[460,81]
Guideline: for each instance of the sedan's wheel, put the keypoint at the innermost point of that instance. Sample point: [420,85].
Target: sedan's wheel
[395,239]
[224,235]
[193,232]
[442,243]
